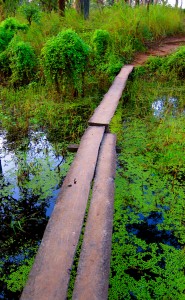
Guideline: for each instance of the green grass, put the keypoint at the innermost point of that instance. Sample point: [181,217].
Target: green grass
[124,23]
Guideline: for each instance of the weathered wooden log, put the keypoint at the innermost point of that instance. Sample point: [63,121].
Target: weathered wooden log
[49,277]
[94,264]
[105,111]
[72,147]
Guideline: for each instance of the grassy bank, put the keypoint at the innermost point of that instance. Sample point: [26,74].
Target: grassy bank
[43,93]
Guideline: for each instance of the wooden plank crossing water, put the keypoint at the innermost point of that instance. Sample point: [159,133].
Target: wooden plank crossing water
[105,111]
[50,274]
[93,271]
[49,277]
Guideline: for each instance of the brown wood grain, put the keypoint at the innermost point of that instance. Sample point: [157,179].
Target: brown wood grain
[93,271]
[49,277]
[105,111]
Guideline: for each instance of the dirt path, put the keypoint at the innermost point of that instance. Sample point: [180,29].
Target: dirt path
[160,48]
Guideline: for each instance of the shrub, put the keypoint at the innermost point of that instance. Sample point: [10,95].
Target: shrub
[65,57]
[22,61]
[17,279]
[176,62]
[100,41]
[114,66]
[8,28]
[154,63]
[4,65]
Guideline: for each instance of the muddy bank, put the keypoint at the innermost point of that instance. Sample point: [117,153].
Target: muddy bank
[162,47]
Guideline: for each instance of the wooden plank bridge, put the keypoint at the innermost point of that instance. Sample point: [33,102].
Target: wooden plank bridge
[94,165]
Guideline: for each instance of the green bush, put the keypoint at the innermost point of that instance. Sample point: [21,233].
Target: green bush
[22,61]
[8,28]
[64,58]
[4,65]
[175,63]
[154,63]
[114,65]
[100,41]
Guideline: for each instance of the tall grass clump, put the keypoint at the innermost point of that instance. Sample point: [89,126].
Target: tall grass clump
[171,67]
[165,21]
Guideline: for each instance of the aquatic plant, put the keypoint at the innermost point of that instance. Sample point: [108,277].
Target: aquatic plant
[148,237]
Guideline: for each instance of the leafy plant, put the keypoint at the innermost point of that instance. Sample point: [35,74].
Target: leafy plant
[8,29]
[64,58]
[100,41]
[22,61]
[31,12]
[176,63]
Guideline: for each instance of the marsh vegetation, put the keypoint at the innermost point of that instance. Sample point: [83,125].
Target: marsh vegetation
[53,73]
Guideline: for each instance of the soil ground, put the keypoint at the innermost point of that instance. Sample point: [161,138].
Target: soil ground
[160,48]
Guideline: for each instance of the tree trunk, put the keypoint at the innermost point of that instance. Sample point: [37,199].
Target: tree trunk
[61,7]
[77,6]
[86,9]
[82,6]
[176,3]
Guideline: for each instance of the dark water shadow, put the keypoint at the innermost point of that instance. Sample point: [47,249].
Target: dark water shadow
[148,231]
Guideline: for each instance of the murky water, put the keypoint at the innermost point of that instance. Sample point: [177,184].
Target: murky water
[30,179]
[148,231]
[164,105]
[39,154]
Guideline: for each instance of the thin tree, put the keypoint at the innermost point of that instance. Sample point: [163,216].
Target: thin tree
[82,7]
[61,7]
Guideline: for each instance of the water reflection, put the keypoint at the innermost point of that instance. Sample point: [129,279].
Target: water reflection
[147,230]
[163,105]
[30,180]
[15,164]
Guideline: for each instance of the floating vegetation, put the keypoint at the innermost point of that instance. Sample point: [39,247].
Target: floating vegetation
[148,258]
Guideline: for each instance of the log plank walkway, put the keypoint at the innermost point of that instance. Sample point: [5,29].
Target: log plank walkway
[96,155]
[51,271]
[93,269]
[105,111]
